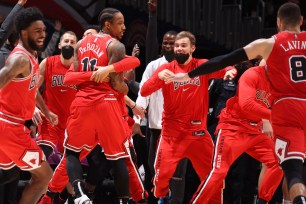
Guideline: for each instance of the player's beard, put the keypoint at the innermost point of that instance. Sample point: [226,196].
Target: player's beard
[34,46]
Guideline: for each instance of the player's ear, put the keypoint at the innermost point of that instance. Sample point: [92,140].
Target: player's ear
[24,33]
[193,47]
[301,21]
[107,25]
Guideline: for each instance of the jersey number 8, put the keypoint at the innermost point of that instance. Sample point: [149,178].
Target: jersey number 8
[297,68]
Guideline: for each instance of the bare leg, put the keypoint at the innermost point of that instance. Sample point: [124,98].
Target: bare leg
[297,190]
[286,196]
[262,173]
[37,185]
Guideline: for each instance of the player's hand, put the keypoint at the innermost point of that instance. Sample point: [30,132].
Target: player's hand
[37,117]
[57,26]
[32,127]
[230,74]
[107,79]
[165,74]
[179,77]
[129,76]
[135,51]
[51,117]
[267,128]
[22,2]
[139,111]
[100,74]
[137,131]
[152,5]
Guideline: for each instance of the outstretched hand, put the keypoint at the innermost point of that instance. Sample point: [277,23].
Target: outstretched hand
[230,74]
[57,26]
[165,74]
[178,77]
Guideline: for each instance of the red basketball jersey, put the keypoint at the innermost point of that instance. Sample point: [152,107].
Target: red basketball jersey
[17,98]
[245,111]
[57,96]
[185,103]
[92,52]
[287,65]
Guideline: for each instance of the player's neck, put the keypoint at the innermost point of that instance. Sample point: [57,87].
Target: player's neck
[66,62]
[292,29]
[29,49]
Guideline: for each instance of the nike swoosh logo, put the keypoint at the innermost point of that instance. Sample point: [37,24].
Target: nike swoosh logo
[63,90]
[185,89]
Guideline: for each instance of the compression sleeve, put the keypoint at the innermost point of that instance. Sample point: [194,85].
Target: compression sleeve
[219,62]
[129,62]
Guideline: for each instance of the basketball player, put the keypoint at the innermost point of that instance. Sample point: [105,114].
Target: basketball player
[184,134]
[18,83]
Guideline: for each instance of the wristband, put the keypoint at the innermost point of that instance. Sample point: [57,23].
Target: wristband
[134,106]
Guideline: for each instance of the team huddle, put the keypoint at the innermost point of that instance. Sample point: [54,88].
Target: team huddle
[82,113]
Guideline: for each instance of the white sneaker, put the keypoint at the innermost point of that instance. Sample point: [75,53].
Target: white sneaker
[82,200]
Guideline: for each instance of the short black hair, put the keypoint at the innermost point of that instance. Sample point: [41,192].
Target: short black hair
[95,27]
[68,32]
[289,13]
[171,32]
[107,14]
[27,16]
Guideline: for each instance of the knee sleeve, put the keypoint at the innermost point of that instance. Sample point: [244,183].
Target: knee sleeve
[121,178]
[47,150]
[73,165]
[293,170]
[99,167]
[7,176]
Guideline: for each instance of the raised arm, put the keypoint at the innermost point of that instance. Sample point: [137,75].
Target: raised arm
[151,37]
[261,47]
[7,25]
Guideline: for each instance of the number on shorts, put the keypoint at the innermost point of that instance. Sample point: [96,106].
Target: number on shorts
[298,68]
[88,66]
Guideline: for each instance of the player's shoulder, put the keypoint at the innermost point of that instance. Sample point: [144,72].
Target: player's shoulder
[200,61]
[158,62]
[254,73]
[53,58]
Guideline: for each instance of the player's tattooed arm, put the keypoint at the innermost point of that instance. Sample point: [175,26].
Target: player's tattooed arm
[115,52]
[17,66]
[118,83]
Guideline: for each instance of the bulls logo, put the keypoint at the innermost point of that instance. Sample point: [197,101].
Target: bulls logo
[31,158]
[58,80]
[280,148]
[263,96]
